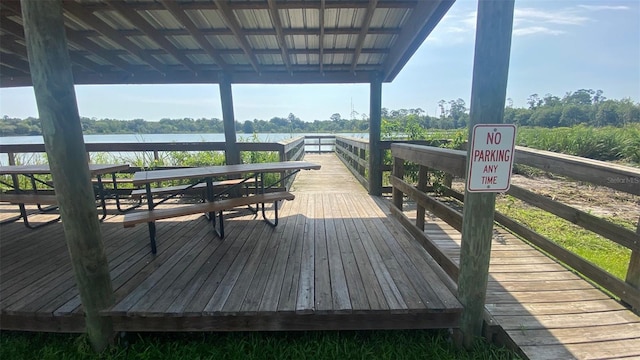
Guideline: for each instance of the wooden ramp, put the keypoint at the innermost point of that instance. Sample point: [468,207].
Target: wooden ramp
[547,311]
[335,261]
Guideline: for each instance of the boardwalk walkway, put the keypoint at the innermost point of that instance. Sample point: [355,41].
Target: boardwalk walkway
[335,261]
[547,311]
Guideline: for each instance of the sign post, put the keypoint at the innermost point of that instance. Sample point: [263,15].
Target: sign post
[491,158]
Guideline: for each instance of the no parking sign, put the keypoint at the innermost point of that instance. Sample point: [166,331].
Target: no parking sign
[491,158]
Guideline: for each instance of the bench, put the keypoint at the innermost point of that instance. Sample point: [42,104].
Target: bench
[29,199]
[150,216]
[138,193]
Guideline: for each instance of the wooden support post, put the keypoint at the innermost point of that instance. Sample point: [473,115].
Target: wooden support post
[53,85]
[232,154]
[488,93]
[398,171]
[633,272]
[422,186]
[375,120]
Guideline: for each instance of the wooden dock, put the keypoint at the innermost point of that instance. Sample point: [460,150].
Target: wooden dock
[335,261]
[545,310]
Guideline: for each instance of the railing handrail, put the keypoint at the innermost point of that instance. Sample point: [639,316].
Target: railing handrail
[454,162]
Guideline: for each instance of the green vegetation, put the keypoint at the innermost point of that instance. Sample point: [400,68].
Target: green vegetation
[604,143]
[417,344]
[604,253]
[584,106]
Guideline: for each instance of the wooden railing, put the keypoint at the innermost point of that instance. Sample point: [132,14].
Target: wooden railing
[617,177]
[319,143]
[354,153]
[291,149]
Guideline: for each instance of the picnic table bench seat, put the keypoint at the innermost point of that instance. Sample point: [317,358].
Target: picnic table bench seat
[29,199]
[150,216]
[138,193]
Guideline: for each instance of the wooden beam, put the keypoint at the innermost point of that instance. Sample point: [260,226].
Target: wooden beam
[488,93]
[277,25]
[231,153]
[14,62]
[89,19]
[261,5]
[321,37]
[151,32]
[193,30]
[230,19]
[58,110]
[364,30]
[375,121]
[258,32]
[633,271]
[423,19]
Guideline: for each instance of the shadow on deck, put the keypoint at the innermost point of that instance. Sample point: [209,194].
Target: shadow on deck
[335,261]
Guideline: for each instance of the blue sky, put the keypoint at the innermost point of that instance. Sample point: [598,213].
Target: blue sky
[557,46]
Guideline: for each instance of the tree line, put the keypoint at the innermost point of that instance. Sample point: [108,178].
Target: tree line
[584,106]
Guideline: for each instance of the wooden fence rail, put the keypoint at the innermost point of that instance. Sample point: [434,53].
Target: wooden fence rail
[614,176]
[288,150]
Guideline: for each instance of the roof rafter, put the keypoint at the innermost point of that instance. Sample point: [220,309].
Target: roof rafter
[277,24]
[151,32]
[15,32]
[259,32]
[91,20]
[14,61]
[193,30]
[363,32]
[244,5]
[230,19]
[11,43]
[423,19]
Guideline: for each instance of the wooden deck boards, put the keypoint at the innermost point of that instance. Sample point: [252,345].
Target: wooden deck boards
[335,261]
[546,310]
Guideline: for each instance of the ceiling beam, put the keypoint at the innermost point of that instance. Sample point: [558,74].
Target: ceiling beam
[193,30]
[11,44]
[14,61]
[230,19]
[321,37]
[228,32]
[14,29]
[80,13]
[139,22]
[423,19]
[364,30]
[277,24]
[246,5]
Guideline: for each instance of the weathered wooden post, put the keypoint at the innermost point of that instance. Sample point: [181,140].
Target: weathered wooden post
[53,85]
[375,120]
[488,93]
[231,153]
[633,272]
[398,171]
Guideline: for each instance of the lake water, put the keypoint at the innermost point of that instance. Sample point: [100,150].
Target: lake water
[149,138]
[146,138]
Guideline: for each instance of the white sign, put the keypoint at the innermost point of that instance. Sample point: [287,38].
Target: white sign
[491,158]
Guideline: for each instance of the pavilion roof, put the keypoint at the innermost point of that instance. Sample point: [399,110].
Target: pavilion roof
[251,41]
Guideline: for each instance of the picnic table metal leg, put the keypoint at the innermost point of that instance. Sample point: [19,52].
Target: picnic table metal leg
[103,203]
[115,191]
[152,224]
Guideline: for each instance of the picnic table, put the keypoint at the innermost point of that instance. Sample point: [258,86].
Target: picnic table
[213,201]
[33,196]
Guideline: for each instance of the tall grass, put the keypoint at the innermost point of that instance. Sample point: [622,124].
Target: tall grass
[600,143]
[416,344]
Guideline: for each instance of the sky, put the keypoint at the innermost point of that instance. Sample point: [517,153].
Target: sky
[557,47]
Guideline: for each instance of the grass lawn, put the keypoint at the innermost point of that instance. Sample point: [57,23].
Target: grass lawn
[414,344]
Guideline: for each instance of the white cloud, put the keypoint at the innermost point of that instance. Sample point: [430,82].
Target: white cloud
[534,30]
[603,7]
[562,17]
